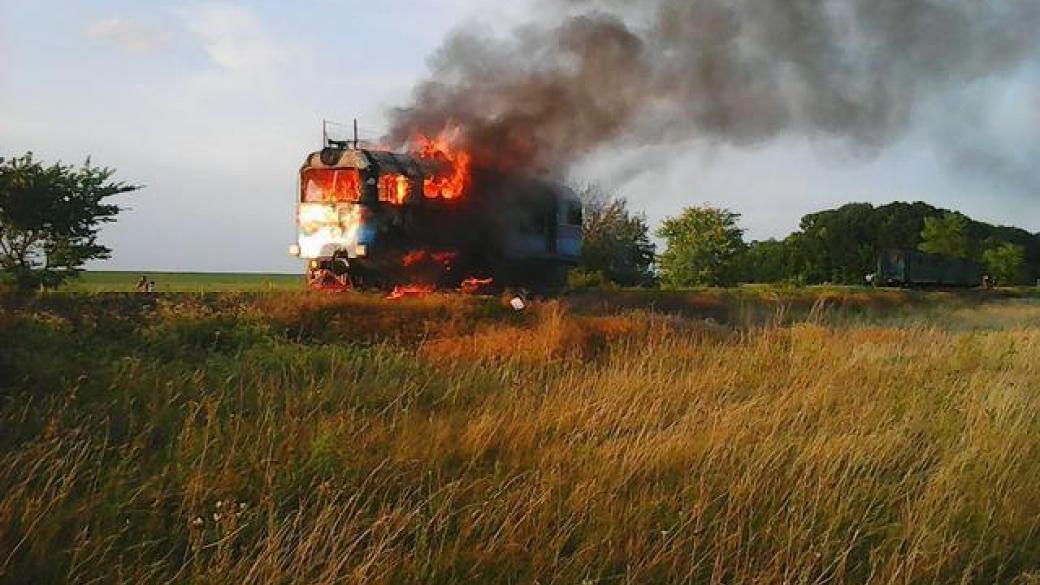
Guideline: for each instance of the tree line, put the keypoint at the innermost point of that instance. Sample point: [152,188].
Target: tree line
[50,216]
[705,246]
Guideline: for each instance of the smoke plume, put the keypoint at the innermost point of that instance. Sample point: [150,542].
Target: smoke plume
[595,72]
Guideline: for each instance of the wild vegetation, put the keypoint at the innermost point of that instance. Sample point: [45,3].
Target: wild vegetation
[728,436]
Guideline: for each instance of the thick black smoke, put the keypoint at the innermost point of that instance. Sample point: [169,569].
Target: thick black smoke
[592,72]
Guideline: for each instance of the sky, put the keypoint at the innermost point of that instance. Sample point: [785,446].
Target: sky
[212,107]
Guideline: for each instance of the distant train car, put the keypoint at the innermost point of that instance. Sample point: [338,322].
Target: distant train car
[909,268]
[379,219]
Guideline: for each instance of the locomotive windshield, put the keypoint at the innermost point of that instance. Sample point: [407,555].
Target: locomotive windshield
[330,185]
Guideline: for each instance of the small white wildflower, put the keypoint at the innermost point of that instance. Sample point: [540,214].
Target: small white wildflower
[197,521]
[220,504]
[216,517]
[242,505]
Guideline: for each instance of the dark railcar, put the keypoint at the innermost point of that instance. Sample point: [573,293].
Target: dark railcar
[366,218]
[909,268]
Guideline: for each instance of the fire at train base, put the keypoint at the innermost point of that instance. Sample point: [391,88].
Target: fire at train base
[414,223]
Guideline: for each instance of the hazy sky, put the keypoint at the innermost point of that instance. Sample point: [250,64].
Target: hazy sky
[213,105]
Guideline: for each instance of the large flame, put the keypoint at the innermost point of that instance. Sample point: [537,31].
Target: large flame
[330,185]
[325,228]
[451,183]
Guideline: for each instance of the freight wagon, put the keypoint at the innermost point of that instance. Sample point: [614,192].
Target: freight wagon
[909,268]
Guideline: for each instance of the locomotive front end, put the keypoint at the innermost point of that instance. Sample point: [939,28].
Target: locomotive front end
[332,219]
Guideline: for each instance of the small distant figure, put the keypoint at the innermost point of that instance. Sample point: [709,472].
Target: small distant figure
[142,284]
[150,287]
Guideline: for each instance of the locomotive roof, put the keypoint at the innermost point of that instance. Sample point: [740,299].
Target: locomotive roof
[384,161]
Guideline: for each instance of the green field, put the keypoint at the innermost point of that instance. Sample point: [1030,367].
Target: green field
[753,436]
[166,282]
[208,282]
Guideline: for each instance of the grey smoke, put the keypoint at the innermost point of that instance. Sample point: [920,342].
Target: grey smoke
[594,72]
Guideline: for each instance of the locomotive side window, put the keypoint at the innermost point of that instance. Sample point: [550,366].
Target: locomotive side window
[393,188]
[330,185]
[532,221]
[574,213]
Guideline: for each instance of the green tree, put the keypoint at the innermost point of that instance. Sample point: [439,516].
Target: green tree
[50,216]
[773,261]
[702,247]
[946,236]
[1005,263]
[839,244]
[615,242]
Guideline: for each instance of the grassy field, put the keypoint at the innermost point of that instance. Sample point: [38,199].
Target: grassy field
[753,436]
[194,282]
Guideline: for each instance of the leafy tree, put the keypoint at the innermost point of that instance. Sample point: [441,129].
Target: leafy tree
[763,261]
[1005,263]
[839,245]
[899,224]
[946,235]
[50,216]
[703,245]
[616,243]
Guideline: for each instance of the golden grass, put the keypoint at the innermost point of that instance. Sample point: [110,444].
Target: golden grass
[465,445]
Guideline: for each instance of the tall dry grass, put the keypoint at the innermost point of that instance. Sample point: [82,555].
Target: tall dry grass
[241,442]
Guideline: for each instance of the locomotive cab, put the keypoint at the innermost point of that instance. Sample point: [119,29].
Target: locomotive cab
[368,218]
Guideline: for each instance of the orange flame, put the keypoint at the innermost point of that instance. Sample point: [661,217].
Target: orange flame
[393,188]
[412,290]
[450,184]
[474,285]
[443,257]
[413,257]
[330,185]
[416,256]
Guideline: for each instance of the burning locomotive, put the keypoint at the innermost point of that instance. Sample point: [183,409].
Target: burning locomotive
[376,219]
